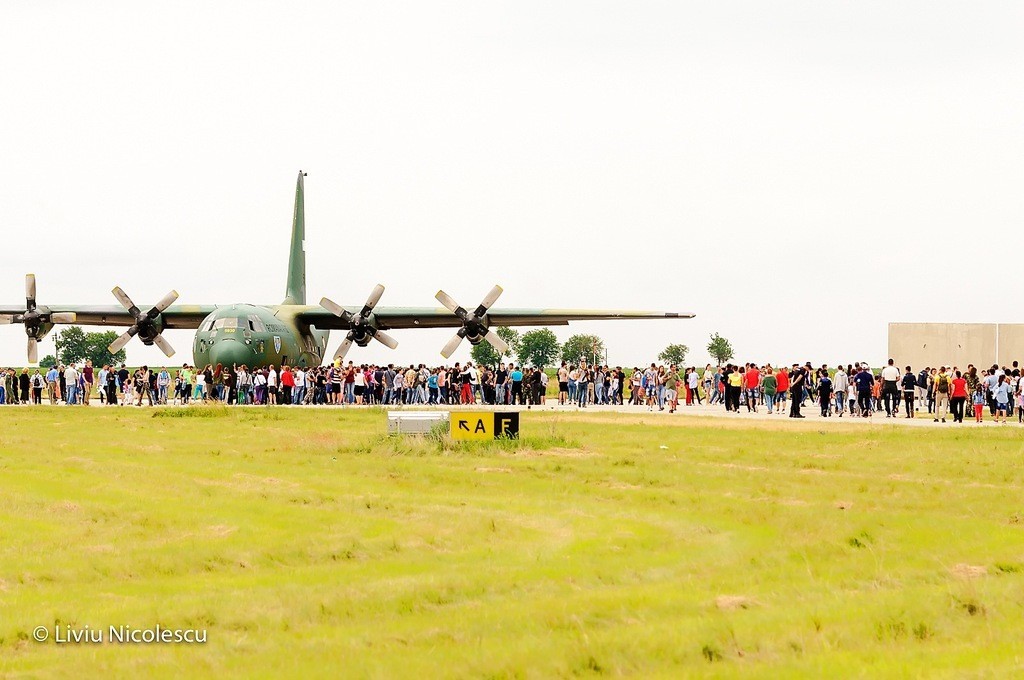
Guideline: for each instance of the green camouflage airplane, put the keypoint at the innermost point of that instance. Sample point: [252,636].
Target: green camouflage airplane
[292,332]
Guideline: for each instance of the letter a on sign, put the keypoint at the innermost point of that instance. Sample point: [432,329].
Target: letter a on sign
[484,425]
[478,425]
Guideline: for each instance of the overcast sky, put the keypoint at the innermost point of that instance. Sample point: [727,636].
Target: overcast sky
[692,157]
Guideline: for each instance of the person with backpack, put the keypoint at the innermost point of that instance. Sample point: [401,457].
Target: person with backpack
[922,389]
[37,387]
[942,390]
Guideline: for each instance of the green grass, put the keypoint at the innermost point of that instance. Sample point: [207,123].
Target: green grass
[310,544]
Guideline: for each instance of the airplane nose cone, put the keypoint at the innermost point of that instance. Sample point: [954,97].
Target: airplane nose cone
[230,352]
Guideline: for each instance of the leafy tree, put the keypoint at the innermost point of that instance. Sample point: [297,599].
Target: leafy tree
[75,346]
[71,345]
[96,349]
[674,354]
[538,348]
[484,354]
[583,348]
[720,349]
[48,361]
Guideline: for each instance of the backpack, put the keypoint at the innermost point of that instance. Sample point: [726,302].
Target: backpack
[942,384]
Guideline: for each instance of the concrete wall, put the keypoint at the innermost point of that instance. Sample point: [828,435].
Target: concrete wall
[1011,343]
[950,344]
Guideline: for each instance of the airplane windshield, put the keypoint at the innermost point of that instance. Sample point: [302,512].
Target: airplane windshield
[256,325]
[226,323]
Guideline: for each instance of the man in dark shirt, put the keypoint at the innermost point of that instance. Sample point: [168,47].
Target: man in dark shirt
[500,376]
[122,376]
[796,390]
[825,395]
[909,384]
[864,380]
[922,388]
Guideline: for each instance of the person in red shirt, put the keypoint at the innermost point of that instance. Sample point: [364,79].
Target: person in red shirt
[958,397]
[782,389]
[752,380]
[287,383]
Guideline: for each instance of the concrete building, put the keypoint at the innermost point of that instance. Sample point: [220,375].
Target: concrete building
[956,344]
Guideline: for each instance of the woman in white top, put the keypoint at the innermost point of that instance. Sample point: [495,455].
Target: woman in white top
[359,385]
[200,392]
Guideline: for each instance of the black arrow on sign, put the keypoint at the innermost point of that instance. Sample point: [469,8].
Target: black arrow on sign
[463,425]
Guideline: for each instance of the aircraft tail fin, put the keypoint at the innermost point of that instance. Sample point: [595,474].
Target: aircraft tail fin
[295,292]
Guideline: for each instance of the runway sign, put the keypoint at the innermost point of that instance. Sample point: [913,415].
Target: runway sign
[484,425]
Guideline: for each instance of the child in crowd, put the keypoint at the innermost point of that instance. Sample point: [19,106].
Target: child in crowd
[978,400]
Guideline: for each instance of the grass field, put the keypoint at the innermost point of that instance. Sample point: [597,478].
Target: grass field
[308,544]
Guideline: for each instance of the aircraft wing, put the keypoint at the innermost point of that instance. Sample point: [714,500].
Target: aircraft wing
[175,316]
[438,317]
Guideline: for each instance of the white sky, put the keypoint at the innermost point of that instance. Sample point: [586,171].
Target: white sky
[654,155]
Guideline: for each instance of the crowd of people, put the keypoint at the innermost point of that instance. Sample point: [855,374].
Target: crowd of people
[857,390]
[336,384]
[854,389]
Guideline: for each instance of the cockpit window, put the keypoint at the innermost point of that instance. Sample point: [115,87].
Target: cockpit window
[256,325]
[229,322]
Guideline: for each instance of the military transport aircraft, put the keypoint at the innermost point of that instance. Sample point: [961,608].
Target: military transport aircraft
[292,332]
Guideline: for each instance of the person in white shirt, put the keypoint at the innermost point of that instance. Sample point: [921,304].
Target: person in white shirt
[474,381]
[299,393]
[102,382]
[692,381]
[71,380]
[890,388]
[259,382]
[200,391]
[359,385]
[271,386]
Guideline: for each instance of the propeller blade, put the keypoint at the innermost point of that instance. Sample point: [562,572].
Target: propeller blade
[374,298]
[63,317]
[164,346]
[448,350]
[123,298]
[497,342]
[121,341]
[449,303]
[33,350]
[165,302]
[335,309]
[30,287]
[385,339]
[6,319]
[492,297]
[344,347]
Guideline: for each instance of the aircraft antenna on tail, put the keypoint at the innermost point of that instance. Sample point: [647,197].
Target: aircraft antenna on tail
[295,292]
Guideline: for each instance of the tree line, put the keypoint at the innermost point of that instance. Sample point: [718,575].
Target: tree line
[541,348]
[538,347]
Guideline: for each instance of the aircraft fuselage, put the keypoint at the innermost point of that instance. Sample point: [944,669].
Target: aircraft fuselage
[256,335]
